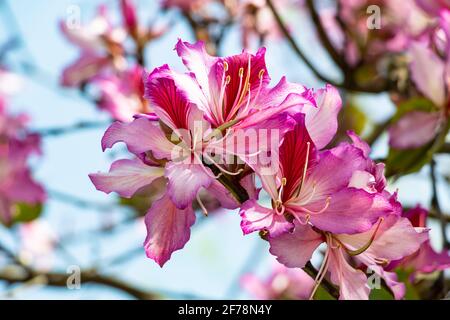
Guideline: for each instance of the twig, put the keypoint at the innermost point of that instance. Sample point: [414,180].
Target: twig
[296,48]
[312,272]
[86,276]
[436,206]
[377,131]
[83,125]
[67,198]
[325,40]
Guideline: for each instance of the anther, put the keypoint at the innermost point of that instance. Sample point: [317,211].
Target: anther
[241,72]
[261,73]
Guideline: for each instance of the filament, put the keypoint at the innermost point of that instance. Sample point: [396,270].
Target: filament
[202,206]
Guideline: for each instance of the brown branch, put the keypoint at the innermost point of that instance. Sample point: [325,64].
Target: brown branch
[377,131]
[87,276]
[296,48]
[324,39]
[328,286]
[83,125]
[435,205]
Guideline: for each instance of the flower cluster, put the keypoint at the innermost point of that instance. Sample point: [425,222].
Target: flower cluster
[17,186]
[104,64]
[220,127]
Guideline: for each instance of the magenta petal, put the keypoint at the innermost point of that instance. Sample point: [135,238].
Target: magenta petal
[396,238]
[223,195]
[185,180]
[427,71]
[352,283]
[256,218]
[391,279]
[141,135]
[359,143]
[414,129]
[168,229]
[427,260]
[197,60]
[350,211]
[126,177]
[24,189]
[322,121]
[295,249]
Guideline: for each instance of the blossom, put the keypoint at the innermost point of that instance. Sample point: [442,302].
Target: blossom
[431,74]
[121,94]
[335,196]
[393,237]
[17,185]
[170,143]
[101,48]
[425,259]
[314,186]
[283,283]
[38,241]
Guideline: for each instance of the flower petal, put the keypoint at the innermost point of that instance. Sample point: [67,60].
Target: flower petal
[427,71]
[126,177]
[352,283]
[414,129]
[295,249]
[168,229]
[256,218]
[185,180]
[322,121]
[396,238]
[141,135]
[296,152]
[198,61]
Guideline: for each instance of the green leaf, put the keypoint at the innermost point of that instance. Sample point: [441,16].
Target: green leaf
[411,292]
[322,294]
[401,162]
[380,294]
[414,104]
[26,212]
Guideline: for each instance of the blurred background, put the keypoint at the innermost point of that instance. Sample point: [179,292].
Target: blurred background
[81,227]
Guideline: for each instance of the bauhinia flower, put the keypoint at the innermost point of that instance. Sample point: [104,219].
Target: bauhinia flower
[17,185]
[283,283]
[426,259]
[391,238]
[335,196]
[339,190]
[121,94]
[101,46]
[430,72]
[171,143]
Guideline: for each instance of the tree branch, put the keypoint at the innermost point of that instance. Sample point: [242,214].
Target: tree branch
[324,39]
[83,125]
[87,276]
[296,48]
[436,206]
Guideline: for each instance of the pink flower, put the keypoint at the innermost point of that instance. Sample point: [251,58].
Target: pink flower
[101,48]
[393,237]
[283,283]
[16,182]
[173,147]
[38,241]
[122,95]
[185,5]
[316,187]
[231,88]
[430,72]
[426,259]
